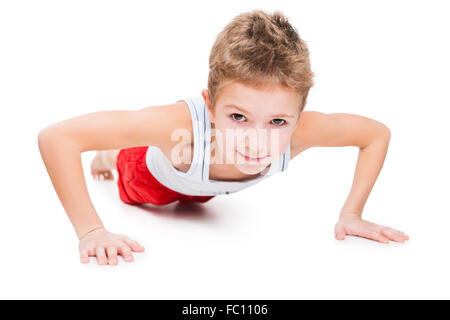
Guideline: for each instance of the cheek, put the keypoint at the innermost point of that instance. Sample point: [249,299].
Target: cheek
[222,134]
[278,142]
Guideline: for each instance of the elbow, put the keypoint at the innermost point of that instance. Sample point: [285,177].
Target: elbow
[49,138]
[386,132]
[382,132]
[379,135]
[44,135]
[41,135]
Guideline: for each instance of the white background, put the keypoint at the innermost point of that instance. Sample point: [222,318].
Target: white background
[387,60]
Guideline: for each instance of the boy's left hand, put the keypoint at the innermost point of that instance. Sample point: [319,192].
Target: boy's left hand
[353,225]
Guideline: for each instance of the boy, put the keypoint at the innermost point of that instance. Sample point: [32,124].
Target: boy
[258,84]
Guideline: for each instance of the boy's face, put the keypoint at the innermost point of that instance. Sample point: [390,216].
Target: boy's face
[252,127]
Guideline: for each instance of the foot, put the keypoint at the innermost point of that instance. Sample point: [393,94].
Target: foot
[100,169]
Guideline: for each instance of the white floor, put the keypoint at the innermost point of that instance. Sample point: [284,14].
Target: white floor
[272,241]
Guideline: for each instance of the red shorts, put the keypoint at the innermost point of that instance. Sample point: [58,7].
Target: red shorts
[137,184]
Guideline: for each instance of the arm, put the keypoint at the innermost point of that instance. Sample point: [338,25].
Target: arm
[372,138]
[368,166]
[62,159]
[61,145]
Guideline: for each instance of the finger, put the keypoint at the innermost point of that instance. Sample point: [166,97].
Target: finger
[393,230]
[101,255]
[91,251]
[403,234]
[126,254]
[84,257]
[134,245]
[393,235]
[380,237]
[112,255]
[108,175]
[339,233]
[374,235]
[405,237]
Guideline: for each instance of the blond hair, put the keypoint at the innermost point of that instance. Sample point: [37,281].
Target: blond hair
[259,49]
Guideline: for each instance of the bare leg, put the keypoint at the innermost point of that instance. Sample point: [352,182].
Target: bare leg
[110,157]
[102,164]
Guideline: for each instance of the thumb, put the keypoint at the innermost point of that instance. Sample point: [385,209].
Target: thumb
[339,233]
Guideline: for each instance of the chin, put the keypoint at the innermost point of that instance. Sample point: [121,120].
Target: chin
[251,168]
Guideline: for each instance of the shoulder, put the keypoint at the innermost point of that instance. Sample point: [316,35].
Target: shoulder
[302,137]
[183,118]
[175,120]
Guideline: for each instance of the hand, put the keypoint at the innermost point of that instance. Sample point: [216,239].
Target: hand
[352,224]
[95,242]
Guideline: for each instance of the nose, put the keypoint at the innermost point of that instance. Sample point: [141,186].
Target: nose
[257,143]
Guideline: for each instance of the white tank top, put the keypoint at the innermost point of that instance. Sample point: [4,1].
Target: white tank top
[196,180]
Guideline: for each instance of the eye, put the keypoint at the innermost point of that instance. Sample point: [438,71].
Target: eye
[234,118]
[279,124]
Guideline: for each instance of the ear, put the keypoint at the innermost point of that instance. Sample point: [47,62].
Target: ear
[205,95]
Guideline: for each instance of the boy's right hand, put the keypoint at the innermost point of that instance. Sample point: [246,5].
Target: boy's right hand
[106,245]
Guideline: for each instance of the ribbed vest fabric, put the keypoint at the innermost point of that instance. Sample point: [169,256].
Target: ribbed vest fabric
[196,180]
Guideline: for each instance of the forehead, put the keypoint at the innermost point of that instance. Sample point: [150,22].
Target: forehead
[268,98]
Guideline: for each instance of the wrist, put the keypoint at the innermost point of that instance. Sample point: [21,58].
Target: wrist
[350,214]
[92,229]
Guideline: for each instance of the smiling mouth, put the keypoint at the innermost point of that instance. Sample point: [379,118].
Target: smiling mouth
[252,159]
